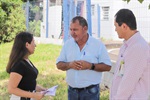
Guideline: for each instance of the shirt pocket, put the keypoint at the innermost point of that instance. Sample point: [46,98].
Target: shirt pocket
[89,57]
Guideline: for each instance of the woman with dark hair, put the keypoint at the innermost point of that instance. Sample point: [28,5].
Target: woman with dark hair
[22,82]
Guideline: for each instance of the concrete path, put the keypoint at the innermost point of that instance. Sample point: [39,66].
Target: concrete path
[113,50]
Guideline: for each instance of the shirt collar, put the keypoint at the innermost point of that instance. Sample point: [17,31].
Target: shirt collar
[87,42]
[132,39]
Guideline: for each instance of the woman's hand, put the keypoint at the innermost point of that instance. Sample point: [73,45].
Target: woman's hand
[40,88]
[38,95]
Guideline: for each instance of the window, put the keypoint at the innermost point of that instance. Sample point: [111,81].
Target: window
[92,9]
[105,13]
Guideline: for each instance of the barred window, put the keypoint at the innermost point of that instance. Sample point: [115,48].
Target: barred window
[92,9]
[105,13]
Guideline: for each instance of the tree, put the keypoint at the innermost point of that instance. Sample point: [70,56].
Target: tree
[35,17]
[29,0]
[138,0]
[35,27]
[130,0]
[12,19]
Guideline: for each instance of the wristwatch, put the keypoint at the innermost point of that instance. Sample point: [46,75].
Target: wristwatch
[93,66]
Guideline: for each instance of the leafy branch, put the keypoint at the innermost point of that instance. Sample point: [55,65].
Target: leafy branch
[141,1]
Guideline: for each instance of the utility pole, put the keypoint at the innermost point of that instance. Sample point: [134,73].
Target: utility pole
[65,20]
[47,14]
[27,15]
[88,7]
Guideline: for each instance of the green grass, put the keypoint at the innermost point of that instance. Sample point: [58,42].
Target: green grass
[44,58]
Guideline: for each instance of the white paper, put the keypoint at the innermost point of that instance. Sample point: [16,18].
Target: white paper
[51,91]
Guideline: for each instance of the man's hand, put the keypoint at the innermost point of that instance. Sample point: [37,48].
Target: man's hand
[80,65]
[75,65]
[85,65]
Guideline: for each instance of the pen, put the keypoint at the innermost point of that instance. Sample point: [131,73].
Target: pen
[84,53]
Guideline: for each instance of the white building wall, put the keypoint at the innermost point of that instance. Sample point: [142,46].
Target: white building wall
[94,21]
[142,14]
[55,16]
[43,24]
[106,26]
[107,29]
[54,21]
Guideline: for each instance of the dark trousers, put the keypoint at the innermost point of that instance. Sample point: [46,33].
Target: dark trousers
[88,93]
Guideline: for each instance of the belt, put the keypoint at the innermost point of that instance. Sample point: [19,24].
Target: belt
[24,98]
[85,88]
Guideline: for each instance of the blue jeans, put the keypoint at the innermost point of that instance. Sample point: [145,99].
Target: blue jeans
[92,93]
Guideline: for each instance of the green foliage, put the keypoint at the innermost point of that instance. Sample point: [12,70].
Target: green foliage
[28,0]
[44,58]
[34,27]
[127,1]
[34,19]
[34,8]
[12,19]
[130,0]
[141,1]
[104,95]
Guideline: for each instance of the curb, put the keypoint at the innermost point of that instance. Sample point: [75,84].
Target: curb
[113,45]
